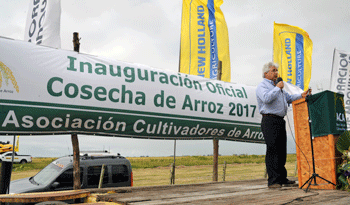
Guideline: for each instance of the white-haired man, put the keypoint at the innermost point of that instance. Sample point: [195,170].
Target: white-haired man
[273,103]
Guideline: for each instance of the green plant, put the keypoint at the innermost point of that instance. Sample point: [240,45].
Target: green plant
[343,170]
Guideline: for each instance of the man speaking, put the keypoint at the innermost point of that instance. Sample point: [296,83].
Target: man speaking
[273,103]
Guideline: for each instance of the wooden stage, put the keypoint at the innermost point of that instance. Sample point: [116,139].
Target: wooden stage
[217,193]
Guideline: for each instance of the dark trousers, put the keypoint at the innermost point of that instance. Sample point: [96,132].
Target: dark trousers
[274,131]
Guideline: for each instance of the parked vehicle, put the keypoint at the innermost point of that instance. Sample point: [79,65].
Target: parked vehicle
[58,175]
[7,157]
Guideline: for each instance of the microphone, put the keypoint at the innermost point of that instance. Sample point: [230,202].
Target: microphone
[279,79]
[308,95]
[309,91]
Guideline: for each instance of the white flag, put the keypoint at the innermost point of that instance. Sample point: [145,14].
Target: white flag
[292,89]
[43,23]
[340,79]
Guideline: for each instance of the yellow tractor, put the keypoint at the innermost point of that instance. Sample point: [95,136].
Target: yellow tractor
[5,147]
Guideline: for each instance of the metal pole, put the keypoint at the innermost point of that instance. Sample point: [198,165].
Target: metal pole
[101,176]
[173,173]
[13,148]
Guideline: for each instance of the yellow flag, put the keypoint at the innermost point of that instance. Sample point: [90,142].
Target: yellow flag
[17,144]
[292,50]
[204,39]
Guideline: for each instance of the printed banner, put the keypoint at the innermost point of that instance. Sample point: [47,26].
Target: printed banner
[340,79]
[292,50]
[43,23]
[53,91]
[204,40]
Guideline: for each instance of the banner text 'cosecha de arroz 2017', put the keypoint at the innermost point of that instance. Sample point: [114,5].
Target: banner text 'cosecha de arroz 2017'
[51,91]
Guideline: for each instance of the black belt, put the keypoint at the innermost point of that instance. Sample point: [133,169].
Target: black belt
[271,115]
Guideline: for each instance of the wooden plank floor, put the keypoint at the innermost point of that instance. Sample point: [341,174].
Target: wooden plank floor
[236,192]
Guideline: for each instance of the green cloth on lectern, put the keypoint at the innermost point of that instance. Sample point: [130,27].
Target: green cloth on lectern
[327,113]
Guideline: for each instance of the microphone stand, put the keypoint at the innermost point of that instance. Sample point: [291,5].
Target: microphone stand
[314,174]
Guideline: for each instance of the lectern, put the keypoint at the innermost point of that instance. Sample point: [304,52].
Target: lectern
[327,120]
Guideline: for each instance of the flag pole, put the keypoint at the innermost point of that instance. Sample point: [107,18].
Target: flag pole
[330,83]
[172,181]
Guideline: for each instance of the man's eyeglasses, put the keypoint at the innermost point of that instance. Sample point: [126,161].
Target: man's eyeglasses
[274,70]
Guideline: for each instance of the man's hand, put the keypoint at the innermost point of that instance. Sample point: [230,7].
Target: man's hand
[280,85]
[305,93]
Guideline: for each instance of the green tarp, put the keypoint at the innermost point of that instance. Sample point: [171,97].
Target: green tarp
[327,114]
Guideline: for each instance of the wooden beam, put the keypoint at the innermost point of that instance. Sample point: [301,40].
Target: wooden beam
[215,159]
[76,42]
[172,180]
[216,141]
[75,142]
[76,162]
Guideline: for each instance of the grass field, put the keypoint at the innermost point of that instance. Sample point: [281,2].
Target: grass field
[150,171]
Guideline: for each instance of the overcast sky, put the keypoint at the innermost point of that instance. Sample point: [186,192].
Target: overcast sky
[148,32]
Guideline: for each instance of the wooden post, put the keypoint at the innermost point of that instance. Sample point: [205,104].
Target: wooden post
[215,159]
[6,171]
[216,141]
[76,41]
[5,177]
[75,142]
[76,162]
[219,71]
[172,181]
[224,172]
[171,173]
[296,168]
